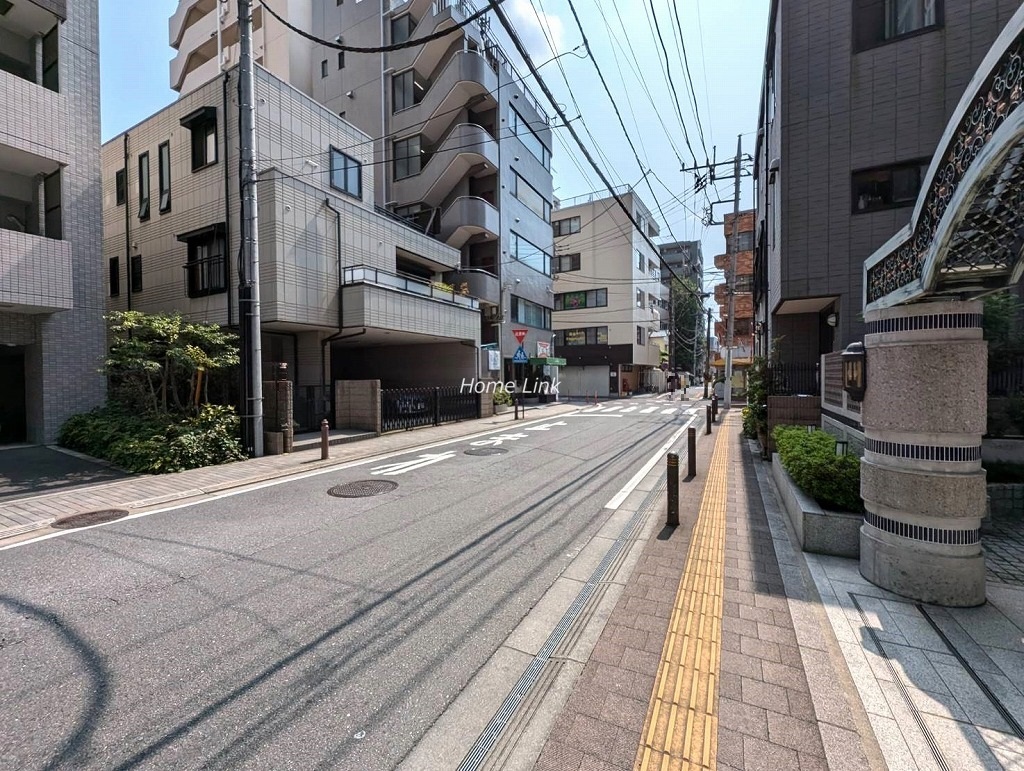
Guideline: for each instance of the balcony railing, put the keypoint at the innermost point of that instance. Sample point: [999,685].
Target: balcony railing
[434,290]
[206,276]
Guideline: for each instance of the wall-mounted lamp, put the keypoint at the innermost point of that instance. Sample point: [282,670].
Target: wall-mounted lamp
[349,95]
[855,375]
[832,319]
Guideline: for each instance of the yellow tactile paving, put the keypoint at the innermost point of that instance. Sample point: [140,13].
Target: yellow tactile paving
[681,729]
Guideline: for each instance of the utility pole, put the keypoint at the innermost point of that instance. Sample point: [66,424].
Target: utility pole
[696,326]
[707,355]
[672,327]
[731,278]
[249,285]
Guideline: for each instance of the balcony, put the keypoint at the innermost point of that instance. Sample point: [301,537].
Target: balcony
[34,125]
[466,76]
[195,63]
[481,284]
[443,14]
[185,17]
[379,300]
[468,149]
[35,273]
[467,217]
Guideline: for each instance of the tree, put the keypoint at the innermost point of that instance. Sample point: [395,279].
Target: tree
[158,362]
[686,325]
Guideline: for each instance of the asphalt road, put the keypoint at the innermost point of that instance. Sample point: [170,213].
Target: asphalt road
[284,628]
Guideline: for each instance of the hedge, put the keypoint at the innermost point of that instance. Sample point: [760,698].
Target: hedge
[810,458]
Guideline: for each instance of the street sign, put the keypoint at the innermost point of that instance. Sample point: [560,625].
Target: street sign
[493,360]
[520,356]
[543,349]
[520,335]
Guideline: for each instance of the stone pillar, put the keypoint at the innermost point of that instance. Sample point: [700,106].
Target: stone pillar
[37,59]
[923,486]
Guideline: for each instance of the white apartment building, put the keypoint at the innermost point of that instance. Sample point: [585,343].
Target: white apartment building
[608,296]
[347,292]
[52,336]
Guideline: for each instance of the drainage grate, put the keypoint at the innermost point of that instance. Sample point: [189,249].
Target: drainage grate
[87,518]
[486,451]
[364,488]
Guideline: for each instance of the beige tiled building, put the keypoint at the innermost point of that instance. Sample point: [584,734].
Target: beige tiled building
[608,296]
[347,292]
[51,281]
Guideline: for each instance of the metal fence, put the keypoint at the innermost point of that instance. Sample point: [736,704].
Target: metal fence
[792,379]
[1006,378]
[311,404]
[404,408]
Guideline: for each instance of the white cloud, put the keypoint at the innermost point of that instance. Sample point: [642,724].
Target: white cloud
[531,24]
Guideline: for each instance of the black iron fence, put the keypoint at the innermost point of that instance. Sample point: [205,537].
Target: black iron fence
[403,408]
[792,380]
[311,404]
[1006,375]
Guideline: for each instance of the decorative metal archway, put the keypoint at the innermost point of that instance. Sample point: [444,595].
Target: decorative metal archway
[966,235]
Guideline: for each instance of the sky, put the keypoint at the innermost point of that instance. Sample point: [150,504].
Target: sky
[724,42]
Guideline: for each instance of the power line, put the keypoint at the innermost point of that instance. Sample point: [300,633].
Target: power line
[376,49]
[686,70]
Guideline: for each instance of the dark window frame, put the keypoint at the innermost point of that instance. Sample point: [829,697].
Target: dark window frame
[144,189]
[591,298]
[164,175]
[114,276]
[559,231]
[402,166]
[121,187]
[590,335]
[335,155]
[518,307]
[207,275]
[858,180]
[410,28]
[869,24]
[201,131]
[135,274]
[574,260]
[325,68]
[514,252]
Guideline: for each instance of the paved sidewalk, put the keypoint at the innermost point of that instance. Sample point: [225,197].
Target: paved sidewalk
[33,514]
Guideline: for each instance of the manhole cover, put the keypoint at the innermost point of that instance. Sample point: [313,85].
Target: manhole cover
[364,488]
[87,518]
[487,451]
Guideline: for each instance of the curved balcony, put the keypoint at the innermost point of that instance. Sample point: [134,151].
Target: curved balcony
[186,15]
[443,14]
[469,216]
[481,284]
[467,75]
[468,149]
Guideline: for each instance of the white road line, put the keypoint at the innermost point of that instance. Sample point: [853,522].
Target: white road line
[613,408]
[622,494]
[693,410]
[648,410]
[593,409]
[585,415]
[669,411]
[631,409]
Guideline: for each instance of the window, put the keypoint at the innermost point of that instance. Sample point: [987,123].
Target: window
[206,270]
[164,175]
[566,227]
[202,124]
[533,200]
[404,90]
[582,336]
[346,174]
[652,270]
[639,335]
[114,273]
[571,301]
[120,188]
[144,186]
[529,138]
[52,203]
[745,241]
[135,279]
[407,157]
[887,187]
[641,261]
[341,60]
[401,28]
[529,254]
[323,69]
[652,301]
[565,263]
[51,59]
[531,314]
[879,21]
[639,298]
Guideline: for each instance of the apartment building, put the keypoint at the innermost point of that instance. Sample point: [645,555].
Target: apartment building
[52,338]
[347,292]
[743,303]
[855,97]
[608,297]
[685,259]
[461,148]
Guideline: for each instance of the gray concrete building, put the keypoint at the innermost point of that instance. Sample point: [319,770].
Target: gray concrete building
[855,97]
[683,257]
[347,291]
[52,338]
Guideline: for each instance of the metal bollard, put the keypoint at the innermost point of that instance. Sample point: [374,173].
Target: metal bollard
[707,420]
[691,451]
[325,440]
[673,490]
[714,407]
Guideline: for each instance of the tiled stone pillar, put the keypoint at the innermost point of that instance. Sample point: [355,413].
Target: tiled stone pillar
[921,478]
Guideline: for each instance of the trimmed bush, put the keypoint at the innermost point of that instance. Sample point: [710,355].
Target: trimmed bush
[810,458]
[155,443]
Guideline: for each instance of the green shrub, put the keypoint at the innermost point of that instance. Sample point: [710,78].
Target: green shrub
[153,443]
[501,396]
[810,458]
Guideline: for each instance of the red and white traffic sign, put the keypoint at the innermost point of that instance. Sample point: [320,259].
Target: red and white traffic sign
[520,335]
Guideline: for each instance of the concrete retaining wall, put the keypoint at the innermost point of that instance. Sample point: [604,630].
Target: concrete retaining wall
[357,404]
[818,530]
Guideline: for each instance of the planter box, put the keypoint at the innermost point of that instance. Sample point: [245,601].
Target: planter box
[818,530]
[501,408]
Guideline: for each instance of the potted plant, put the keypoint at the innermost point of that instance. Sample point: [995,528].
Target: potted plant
[502,401]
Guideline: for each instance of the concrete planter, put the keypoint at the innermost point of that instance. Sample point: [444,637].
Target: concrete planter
[818,530]
[501,408]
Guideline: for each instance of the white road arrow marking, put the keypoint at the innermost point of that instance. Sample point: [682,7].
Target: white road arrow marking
[648,410]
[497,440]
[547,426]
[669,411]
[391,469]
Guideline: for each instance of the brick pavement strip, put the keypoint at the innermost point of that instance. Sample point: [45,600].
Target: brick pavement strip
[138,493]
